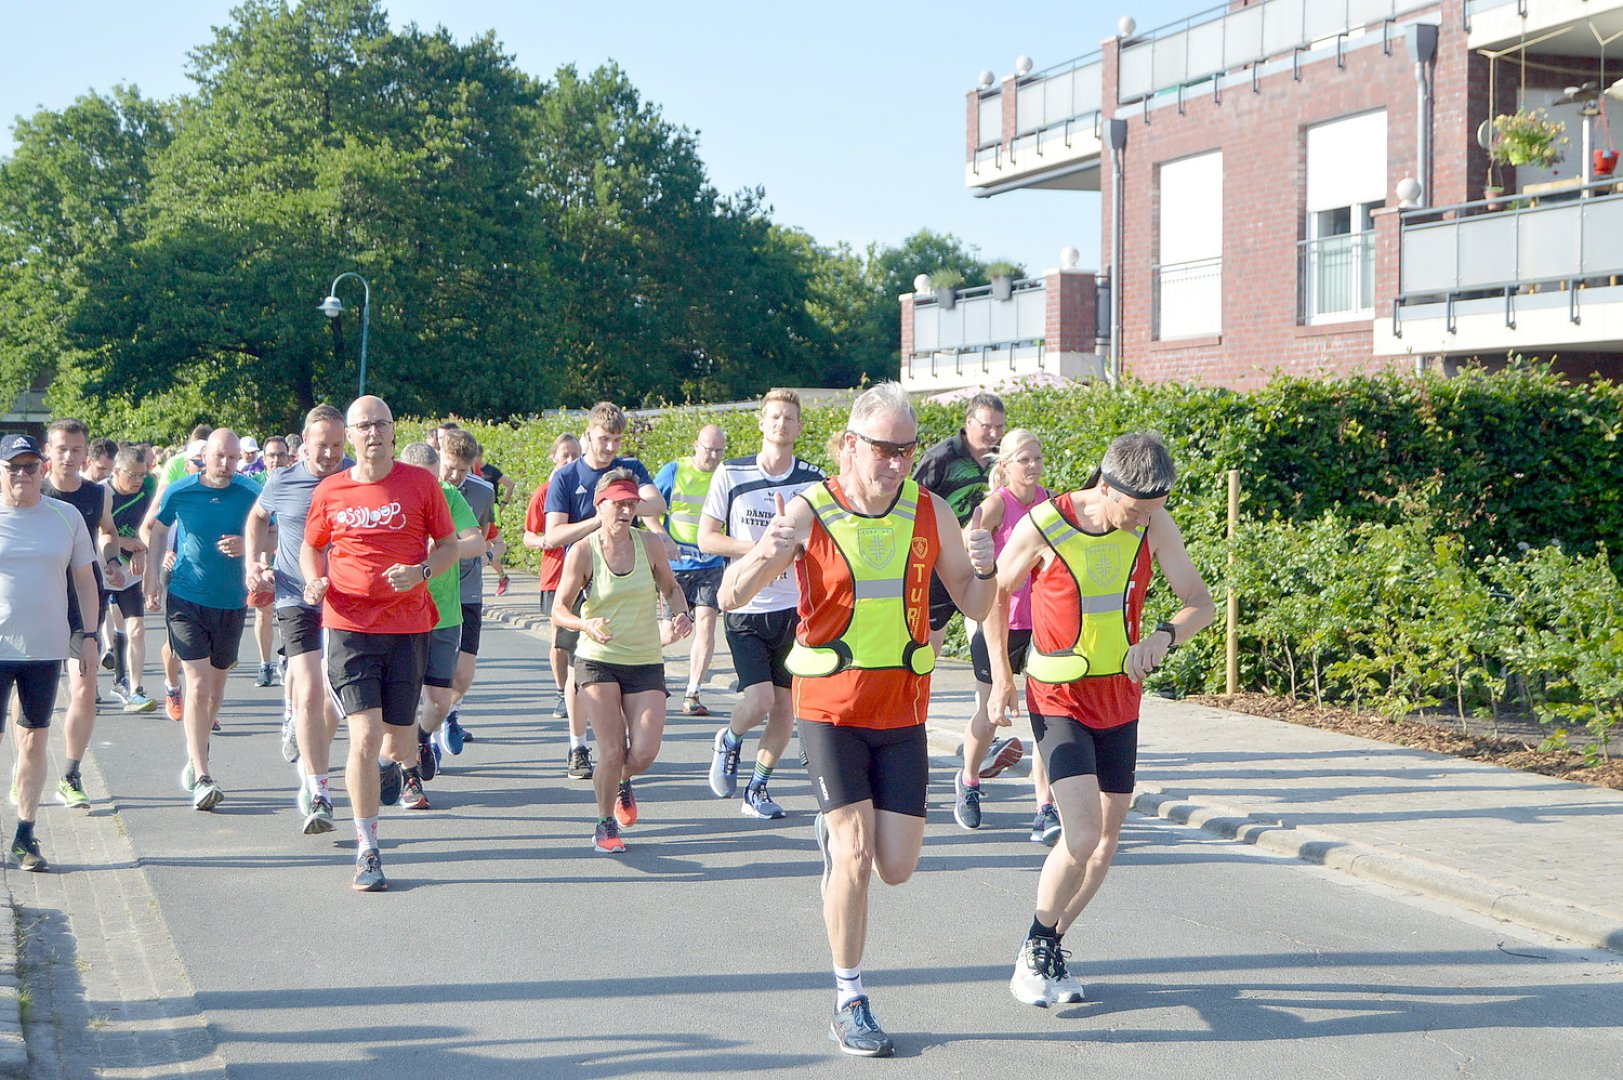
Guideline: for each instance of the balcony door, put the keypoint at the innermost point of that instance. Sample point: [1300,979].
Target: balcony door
[1346,184]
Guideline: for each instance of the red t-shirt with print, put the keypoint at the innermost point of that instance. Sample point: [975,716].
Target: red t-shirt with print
[370,526]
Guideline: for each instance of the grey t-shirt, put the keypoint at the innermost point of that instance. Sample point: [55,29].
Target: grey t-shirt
[481,496]
[287,494]
[38,546]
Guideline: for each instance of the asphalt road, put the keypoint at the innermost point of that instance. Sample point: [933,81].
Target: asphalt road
[507,947]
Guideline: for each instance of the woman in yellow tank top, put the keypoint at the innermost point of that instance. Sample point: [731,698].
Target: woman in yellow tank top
[619,673]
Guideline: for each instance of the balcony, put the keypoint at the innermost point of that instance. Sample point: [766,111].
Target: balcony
[1046,326]
[1531,279]
[1497,25]
[1335,278]
[1055,140]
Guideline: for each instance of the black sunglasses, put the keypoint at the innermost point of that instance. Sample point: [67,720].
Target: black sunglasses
[889,450]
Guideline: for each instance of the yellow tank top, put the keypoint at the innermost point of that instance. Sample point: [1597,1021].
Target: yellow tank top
[627,601]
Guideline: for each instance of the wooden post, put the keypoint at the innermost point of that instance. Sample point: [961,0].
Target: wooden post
[1232,640]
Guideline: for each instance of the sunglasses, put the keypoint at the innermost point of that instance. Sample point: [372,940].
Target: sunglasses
[889,450]
[27,468]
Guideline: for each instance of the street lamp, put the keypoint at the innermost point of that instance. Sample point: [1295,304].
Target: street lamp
[332,307]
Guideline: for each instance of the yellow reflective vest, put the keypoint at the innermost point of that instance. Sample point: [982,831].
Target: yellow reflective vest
[1102,568]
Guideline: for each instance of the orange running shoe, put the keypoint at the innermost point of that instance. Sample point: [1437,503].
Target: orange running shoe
[606,841]
[625,806]
[173,703]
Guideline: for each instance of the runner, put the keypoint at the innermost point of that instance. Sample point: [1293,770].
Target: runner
[66,443]
[1094,549]
[131,488]
[375,534]
[867,541]
[99,460]
[207,597]
[1016,469]
[313,720]
[955,469]
[742,501]
[683,485]
[571,514]
[618,574]
[565,449]
[189,460]
[276,457]
[458,452]
[44,549]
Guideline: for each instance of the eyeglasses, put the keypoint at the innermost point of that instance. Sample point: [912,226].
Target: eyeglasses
[27,468]
[999,428]
[889,450]
[372,425]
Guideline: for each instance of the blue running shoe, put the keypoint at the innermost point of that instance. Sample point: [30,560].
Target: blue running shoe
[452,733]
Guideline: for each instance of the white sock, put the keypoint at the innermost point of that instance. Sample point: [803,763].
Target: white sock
[366,833]
[576,741]
[847,986]
[318,786]
[693,688]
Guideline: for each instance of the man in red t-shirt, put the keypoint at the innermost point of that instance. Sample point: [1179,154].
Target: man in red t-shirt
[1092,551]
[565,448]
[374,536]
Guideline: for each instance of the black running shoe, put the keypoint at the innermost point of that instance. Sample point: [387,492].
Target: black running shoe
[25,853]
[389,781]
[427,763]
[857,1032]
[580,763]
[369,872]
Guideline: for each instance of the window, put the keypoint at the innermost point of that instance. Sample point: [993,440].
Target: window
[1188,272]
[1346,184]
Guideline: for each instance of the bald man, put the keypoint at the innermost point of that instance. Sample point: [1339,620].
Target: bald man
[684,484]
[207,598]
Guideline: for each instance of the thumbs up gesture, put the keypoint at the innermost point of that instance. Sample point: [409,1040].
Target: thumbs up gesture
[780,533]
[978,543]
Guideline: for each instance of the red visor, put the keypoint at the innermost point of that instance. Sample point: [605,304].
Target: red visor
[620,489]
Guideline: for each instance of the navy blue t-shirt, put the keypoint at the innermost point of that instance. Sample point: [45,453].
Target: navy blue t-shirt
[573,486]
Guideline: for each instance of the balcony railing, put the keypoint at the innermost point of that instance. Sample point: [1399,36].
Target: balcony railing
[1224,39]
[1569,241]
[1051,106]
[1335,276]
[978,322]
[1186,299]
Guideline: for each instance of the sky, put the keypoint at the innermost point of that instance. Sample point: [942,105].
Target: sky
[849,114]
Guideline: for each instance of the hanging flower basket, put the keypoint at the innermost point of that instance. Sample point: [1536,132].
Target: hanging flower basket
[1528,137]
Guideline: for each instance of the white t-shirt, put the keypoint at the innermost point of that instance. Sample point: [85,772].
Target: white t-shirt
[38,545]
[741,499]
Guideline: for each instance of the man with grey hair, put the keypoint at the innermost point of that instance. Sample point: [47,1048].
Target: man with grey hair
[1093,551]
[861,672]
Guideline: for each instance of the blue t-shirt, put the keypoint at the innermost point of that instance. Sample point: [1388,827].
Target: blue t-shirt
[692,558]
[573,486]
[286,496]
[202,574]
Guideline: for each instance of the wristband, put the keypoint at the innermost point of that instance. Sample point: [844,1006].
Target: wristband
[1172,633]
[985,577]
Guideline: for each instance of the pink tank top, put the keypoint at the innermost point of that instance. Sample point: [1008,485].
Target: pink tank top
[1013,511]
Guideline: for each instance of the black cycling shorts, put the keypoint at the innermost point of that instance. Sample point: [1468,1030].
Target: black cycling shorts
[36,682]
[473,623]
[1071,748]
[1019,641]
[888,767]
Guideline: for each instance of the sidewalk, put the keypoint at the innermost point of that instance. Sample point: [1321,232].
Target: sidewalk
[1521,847]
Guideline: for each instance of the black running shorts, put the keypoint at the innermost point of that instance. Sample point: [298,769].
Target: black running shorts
[889,767]
[377,671]
[440,668]
[131,602]
[700,586]
[760,643]
[473,623]
[204,633]
[1019,640]
[1071,748]
[36,682]
[631,678]
[301,629]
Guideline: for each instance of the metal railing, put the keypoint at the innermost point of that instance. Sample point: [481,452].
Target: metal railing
[1186,299]
[978,321]
[1223,39]
[1051,104]
[1335,275]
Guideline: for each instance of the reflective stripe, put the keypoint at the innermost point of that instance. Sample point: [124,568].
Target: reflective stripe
[878,590]
[1098,605]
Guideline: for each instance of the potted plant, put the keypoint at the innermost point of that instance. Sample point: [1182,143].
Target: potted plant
[945,282]
[1528,137]
[1002,274]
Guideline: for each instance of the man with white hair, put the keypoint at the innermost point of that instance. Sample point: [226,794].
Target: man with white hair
[864,545]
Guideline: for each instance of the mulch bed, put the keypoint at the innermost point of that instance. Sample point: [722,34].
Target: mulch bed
[1440,735]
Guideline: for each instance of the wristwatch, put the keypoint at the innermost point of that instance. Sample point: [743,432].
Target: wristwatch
[1172,633]
[425,572]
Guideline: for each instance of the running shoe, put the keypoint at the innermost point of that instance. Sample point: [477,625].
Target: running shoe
[1045,827]
[724,766]
[757,803]
[580,763]
[1000,755]
[857,1032]
[301,798]
[206,794]
[290,740]
[1033,979]
[625,805]
[318,818]
[427,763]
[693,706]
[820,830]
[70,792]
[389,780]
[1065,989]
[138,702]
[266,676]
[966,808]
[25,853]
[560,711]
[188,777]
[120,691]
[174,703]
[451,734]
[281,668]
[411,792]
[215,726]
[369,872]
[501,585]
[606,840]
[108,661]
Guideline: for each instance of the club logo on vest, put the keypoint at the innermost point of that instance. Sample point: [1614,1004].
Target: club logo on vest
[1104,565]
[876,546]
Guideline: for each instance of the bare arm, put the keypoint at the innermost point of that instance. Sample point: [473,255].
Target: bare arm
[769,556]
[313,565]
[471,543]
[576,562]
[561,534]
[84,584]
[155,533]
[1014,564]
[963,559]
[715,540]
[1198,611]
[665,580]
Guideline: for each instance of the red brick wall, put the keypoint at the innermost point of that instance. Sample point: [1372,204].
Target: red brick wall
[907,328]
[972,125]
[1070,306]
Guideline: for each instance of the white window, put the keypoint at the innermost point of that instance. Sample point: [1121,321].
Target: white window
[1189,248]
[1346,183]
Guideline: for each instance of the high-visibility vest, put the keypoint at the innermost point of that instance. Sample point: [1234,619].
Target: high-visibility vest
[876,553]
[1102,569]
[688,490]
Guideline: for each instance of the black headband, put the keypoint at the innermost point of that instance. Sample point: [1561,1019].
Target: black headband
[1128,490]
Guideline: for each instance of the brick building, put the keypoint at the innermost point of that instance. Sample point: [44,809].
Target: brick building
[1298,186]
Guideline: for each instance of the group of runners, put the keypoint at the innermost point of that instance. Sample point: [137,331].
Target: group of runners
[833,594]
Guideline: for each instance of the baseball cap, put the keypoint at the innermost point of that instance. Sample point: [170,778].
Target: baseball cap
[620,489]
[250,445]
[15,446]
[194,450]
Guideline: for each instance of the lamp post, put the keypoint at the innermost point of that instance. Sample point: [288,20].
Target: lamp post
[332,307]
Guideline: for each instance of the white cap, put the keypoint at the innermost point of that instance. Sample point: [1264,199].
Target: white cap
[250,445]
[195,448]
